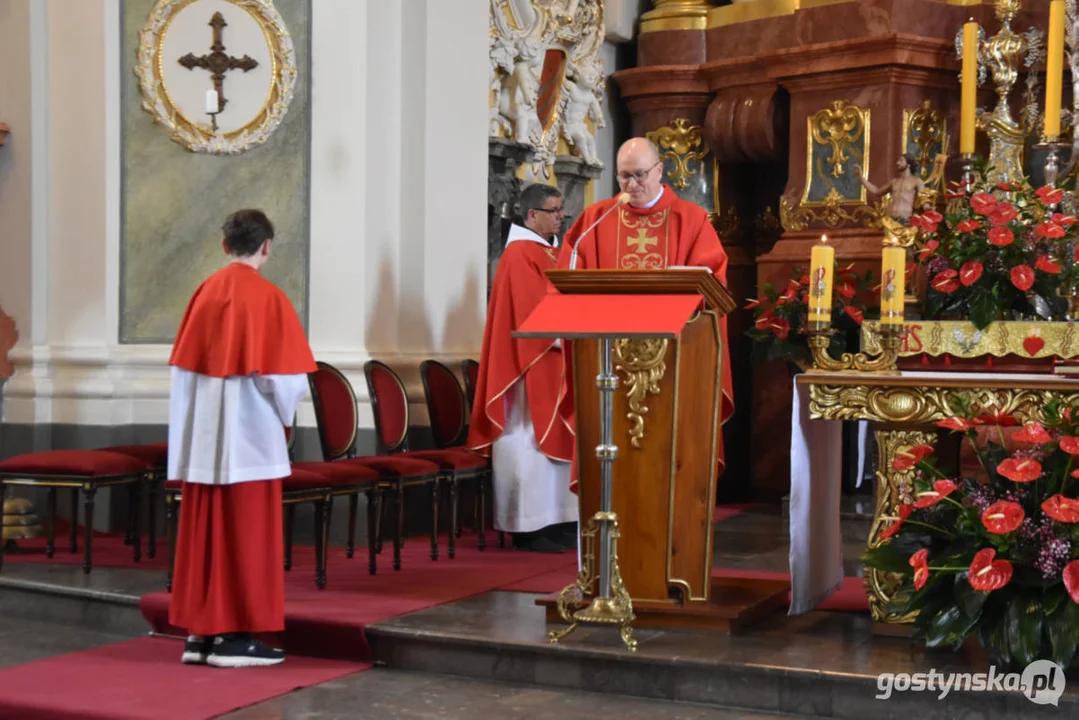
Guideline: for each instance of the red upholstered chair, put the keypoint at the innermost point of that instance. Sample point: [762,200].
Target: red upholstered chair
[447,408]
[85,470]
[302,486]
[338,422]
[156,455]
[471,371]
[389,402]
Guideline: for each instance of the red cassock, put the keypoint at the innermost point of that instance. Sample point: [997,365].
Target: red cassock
[229,571]
[519,285]
[673,232]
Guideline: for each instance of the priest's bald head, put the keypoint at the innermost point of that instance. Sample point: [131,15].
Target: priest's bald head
[640,172]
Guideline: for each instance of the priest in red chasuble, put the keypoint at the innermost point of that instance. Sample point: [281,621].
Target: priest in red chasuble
[653,230]
[515,414]
[239,370]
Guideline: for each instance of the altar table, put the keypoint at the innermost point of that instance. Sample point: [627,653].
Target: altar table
[907,405]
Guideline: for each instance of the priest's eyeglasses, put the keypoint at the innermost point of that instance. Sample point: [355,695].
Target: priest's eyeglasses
[639,176]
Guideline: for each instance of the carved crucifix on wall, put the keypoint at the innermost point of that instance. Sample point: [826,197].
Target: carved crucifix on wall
[218,62]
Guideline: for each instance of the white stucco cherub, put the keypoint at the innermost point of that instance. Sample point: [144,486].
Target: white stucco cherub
[581,103]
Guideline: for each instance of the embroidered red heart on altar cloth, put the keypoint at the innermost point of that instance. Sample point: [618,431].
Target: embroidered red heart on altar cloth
[1033,345]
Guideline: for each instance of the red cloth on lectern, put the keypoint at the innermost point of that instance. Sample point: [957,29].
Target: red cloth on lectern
[672,232]
[238,323]
[519,285]
[237,582]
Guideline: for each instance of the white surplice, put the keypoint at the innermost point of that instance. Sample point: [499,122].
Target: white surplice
[231,430]
[531,491]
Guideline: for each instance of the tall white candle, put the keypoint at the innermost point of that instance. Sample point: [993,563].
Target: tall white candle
[211,101]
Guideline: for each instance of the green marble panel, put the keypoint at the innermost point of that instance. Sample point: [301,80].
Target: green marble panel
[175,201]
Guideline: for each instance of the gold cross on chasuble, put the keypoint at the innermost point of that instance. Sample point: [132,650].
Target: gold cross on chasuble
[643,240]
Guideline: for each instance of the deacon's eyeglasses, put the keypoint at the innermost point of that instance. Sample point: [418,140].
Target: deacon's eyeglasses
[553,211]
[639,176]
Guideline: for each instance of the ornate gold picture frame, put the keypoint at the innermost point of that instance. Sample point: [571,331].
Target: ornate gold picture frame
[203,137]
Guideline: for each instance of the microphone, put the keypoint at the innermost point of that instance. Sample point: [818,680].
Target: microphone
[622,200]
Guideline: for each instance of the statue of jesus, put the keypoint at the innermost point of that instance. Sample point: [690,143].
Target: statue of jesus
[905,187]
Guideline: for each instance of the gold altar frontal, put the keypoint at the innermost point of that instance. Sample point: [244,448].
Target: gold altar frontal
[907,405]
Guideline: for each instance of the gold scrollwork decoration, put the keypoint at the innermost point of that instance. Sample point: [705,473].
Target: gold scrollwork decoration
[202,137]
[838,126]
[830,213]
[961,339]
[894,488]
[925,128]
[682,144]
[641,361]
[924,405]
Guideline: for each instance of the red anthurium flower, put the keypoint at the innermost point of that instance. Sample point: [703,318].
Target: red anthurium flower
[1049,195]
[1007,186]
[1070,576]
[1064,220]
[923,222]
[941,489]
[1003,214]
[781,327]
[1001,236]
[751,303]
[764,320]
[968,225]
[986,574]
[929,248]
[1049,230]
[983,203]
[845,291]
[933,216]
[970,272]
[1062,509]
[1032,433]
[1020,469]
[996,418]
[945,281]
[1003,517]
[854,313]
[1070,445]
[904,513]
[1046,265]
[906,459]
[1022,277]
[957,423]
[920,562]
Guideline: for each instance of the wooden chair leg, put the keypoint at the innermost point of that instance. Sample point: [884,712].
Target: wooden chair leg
[374,509]
[171,524]
[50,537]
[135,493]
[153,491]
[290,515]
[353,507]
[378,522]
[323,511]
[481,517]
[436,487]
[399,530]
[88,493]
[451,540]
[73,540]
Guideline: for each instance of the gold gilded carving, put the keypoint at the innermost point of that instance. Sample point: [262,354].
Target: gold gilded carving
[615,610]
[917,405]
[202,137]
[681,143]
[883,361]
[839,126]
[830,213]
[641,361]
[925,132]
[962,340]
[894,488]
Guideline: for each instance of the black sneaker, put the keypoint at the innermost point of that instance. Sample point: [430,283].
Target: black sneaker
[196,650]
[239,650]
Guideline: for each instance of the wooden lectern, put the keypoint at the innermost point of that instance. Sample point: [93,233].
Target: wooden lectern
[656,450]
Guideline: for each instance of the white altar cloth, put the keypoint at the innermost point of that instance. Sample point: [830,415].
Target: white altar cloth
[816,554]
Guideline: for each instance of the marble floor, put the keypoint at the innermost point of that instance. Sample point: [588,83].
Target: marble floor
[754,539]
